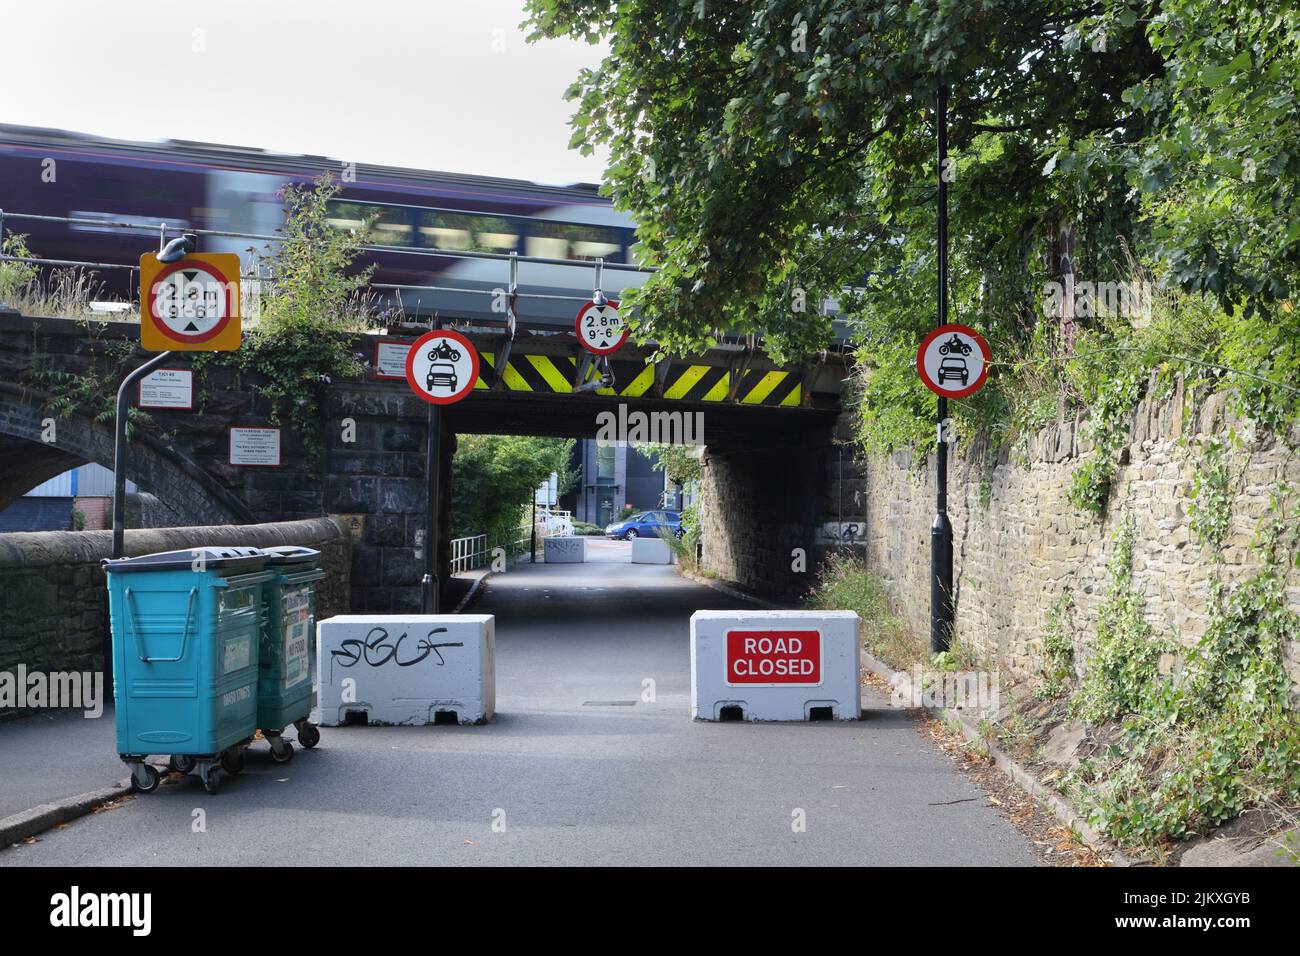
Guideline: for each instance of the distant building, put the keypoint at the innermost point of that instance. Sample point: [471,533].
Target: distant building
[612,477]
[54,505]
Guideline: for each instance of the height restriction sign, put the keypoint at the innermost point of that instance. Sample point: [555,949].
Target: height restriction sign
[953,361]
[600,328]
[191,305]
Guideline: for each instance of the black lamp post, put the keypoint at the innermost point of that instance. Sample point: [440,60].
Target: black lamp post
[174,251]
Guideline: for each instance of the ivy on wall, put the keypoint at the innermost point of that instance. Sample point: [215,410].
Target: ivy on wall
[1218,734]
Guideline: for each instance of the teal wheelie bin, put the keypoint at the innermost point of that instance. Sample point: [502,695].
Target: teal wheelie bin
[186,627]
[284,690]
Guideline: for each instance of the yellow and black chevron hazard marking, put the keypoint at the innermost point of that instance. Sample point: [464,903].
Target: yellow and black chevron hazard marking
[685,382]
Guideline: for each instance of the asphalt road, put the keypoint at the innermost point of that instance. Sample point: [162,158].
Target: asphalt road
[576,768]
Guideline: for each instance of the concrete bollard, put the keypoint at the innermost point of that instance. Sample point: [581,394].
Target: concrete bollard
[406,669]
[651,551]
[564,550]
[775,665]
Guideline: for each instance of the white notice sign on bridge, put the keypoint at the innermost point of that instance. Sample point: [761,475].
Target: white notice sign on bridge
[167,388]
[390,358]
[255,446]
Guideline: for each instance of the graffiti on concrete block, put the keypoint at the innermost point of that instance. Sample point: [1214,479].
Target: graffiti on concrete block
[565,547]
[376,650]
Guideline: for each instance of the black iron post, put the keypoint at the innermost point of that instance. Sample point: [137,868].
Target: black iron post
[941,606]
[119,449]
[430,585]
[532,533]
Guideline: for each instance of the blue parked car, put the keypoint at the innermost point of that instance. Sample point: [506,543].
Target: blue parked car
[647,524]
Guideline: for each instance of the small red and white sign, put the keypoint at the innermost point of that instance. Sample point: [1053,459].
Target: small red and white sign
[168,388]
[953,361]
[442,367]
[600,328]
[255,447]
[390,358]
[774,657]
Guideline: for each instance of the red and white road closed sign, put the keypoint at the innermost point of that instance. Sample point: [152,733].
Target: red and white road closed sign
[775,665]
[774,657]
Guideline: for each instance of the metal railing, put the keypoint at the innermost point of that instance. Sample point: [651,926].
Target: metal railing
[548,522]
[468,554]
[512,259]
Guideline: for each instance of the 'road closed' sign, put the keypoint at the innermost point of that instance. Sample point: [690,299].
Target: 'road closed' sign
[775,665]
[774,657]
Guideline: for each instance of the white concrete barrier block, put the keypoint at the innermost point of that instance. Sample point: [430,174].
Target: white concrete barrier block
[565,550]
[775,665]
[651,551]
[406,668]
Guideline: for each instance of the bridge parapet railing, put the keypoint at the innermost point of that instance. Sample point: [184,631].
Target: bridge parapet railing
[261,275]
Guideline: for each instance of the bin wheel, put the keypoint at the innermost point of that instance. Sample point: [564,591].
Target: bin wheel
[309,735]
[233,762]
[212,779]
[281,750]
[145,778]
[181,763]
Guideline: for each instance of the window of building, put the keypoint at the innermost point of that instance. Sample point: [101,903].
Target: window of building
[604,462]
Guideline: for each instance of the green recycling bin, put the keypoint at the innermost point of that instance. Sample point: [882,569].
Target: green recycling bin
[284,686]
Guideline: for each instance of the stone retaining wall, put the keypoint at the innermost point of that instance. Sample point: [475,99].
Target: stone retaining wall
[53,597]
[1018,542]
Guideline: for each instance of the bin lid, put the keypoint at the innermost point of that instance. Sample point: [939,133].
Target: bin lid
[213,559]
[291,554]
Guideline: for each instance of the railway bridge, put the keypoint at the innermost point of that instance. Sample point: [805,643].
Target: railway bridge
[770,465]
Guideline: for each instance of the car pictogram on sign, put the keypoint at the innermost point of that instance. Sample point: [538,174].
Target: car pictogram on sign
[441,375]
[953,368]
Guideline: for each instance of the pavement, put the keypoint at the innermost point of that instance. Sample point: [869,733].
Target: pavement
[54,755]
[582,765]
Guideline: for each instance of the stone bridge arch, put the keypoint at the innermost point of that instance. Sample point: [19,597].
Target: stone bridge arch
[26,459]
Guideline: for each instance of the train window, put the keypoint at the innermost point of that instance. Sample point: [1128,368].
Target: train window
[389,225]
[468,232]
[348,215]
[569,240]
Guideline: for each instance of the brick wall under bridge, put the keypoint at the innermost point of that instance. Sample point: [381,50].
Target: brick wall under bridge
[767,433]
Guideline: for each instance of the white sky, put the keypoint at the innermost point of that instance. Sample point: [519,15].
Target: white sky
[439,84]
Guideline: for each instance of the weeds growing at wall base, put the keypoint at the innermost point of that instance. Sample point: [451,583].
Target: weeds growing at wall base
[1216,736]
[846,584]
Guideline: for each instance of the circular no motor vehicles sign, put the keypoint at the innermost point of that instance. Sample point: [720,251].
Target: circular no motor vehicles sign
[600,328]
[442,367]
[953,361]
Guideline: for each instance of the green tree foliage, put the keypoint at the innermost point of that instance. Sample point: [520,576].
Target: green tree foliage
[1218,173]
[777,152]
[15,276]
[313,298]
[494,478]
[681,463]
[313,285]
[779,145]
